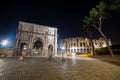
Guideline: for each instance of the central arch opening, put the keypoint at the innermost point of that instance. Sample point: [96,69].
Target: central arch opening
[37,47]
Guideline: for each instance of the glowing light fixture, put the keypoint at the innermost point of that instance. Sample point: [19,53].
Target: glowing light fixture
[104,45]
[63,48]
[73,47]
[4,42]
[73,54]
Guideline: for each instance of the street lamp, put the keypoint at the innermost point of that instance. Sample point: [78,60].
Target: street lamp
[4,42]
[63,59]
[63,48]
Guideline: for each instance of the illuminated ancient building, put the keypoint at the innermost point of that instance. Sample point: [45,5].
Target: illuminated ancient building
[35,40]
[81,45]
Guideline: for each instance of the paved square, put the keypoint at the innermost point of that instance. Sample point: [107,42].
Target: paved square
[40,68]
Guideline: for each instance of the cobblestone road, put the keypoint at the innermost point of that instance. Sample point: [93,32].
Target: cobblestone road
[40,68]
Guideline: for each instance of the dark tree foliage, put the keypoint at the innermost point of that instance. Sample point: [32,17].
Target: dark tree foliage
[98,14]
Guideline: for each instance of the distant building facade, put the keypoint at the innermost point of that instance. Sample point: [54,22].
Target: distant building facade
[80,44]
[35,40]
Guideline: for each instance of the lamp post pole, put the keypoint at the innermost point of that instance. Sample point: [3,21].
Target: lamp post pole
[63,59]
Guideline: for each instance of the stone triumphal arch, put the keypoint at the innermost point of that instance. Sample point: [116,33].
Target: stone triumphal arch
[35,40]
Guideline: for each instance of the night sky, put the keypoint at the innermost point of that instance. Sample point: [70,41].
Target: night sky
[65,15]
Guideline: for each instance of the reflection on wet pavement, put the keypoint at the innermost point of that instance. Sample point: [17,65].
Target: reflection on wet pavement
[40,68]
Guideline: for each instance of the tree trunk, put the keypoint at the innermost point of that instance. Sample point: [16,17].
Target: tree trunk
[106,40]
[93,49]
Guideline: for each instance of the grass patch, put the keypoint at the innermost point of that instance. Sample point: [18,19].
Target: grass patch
[108,58]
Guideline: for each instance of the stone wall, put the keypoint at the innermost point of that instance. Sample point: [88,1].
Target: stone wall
[28,33]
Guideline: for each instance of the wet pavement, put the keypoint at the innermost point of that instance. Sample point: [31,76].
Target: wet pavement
[41,68]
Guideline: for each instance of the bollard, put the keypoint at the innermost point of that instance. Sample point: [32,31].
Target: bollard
[50,57]
[63,59]
[21,58]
